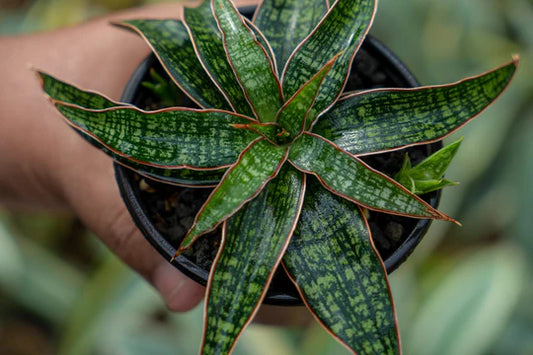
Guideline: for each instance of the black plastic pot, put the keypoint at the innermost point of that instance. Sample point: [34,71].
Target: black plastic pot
[374,66]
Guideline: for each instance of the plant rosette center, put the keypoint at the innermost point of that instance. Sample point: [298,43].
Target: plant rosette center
[284,144]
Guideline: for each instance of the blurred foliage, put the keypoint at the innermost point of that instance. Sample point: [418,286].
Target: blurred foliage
[464,291]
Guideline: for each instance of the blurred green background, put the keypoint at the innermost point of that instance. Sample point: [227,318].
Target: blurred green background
[465,290]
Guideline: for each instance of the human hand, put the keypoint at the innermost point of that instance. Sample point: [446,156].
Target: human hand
[45,164]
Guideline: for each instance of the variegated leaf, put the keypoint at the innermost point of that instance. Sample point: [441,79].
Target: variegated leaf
[169,138]
[293,115]
[286,23]
[61,91]
[253,242]
[256,166]
[341,31]
[207,41]
[339,275]
[70,94]
[347,176]
[172,45]
[250,62]
[383,119]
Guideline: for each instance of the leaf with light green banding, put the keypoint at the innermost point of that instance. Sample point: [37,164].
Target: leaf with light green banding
[70,94]
[426,176]
[263,42]
[293,115]
[341,31]
[339,275]
[349,177]
[208,43]
[256,166]
[171,43]
[249,61]
[170,138]
[61,91]
[253,243]
[383,119]
[299,17]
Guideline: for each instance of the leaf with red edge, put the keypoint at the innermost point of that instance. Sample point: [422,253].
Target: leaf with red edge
[256,166]
[253,243]
[249,61]
[340,276]
[348,177]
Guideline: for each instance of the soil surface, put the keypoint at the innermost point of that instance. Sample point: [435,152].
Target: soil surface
[172,209]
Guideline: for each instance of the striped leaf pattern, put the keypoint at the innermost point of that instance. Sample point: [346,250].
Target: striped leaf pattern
[342,30]
[343,282]
[172,44]
[251,124]
[300,16]
[256,166]
[249,61]
[347,176]
[170,138]
[207,41]
[70,94]
[293,114]
[253,243]
[383,119]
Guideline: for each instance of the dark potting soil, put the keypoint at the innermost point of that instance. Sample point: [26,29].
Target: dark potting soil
[172,209]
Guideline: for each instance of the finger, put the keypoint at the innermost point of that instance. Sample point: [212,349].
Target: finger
[93,194]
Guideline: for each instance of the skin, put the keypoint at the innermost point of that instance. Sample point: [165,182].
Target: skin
[46,166]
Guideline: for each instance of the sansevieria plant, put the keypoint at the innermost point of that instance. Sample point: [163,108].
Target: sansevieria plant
[285,146]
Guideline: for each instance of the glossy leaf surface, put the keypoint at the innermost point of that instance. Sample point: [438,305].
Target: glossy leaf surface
[427,175]
[293,114]
[298,16]
[350,178]
[207,41]
[339,275]
[256,166]
[70,94]
[254,240]
[171,43]
[249,61]
[170,138]
[341,31]
[382,119]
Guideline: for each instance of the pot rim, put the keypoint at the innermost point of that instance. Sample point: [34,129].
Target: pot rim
[198,274]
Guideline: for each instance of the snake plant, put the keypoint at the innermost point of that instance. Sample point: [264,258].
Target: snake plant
[283,148]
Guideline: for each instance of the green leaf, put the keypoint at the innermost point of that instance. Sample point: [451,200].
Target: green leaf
[61,91]
[171,43]
[169,138]
[250,62]
[298,16]
[349,177]
[207,41]
[342,280]
[383,119]
[426,176]
[293,115]
[341,31]
[260,232]
[70,94]
[256,166]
